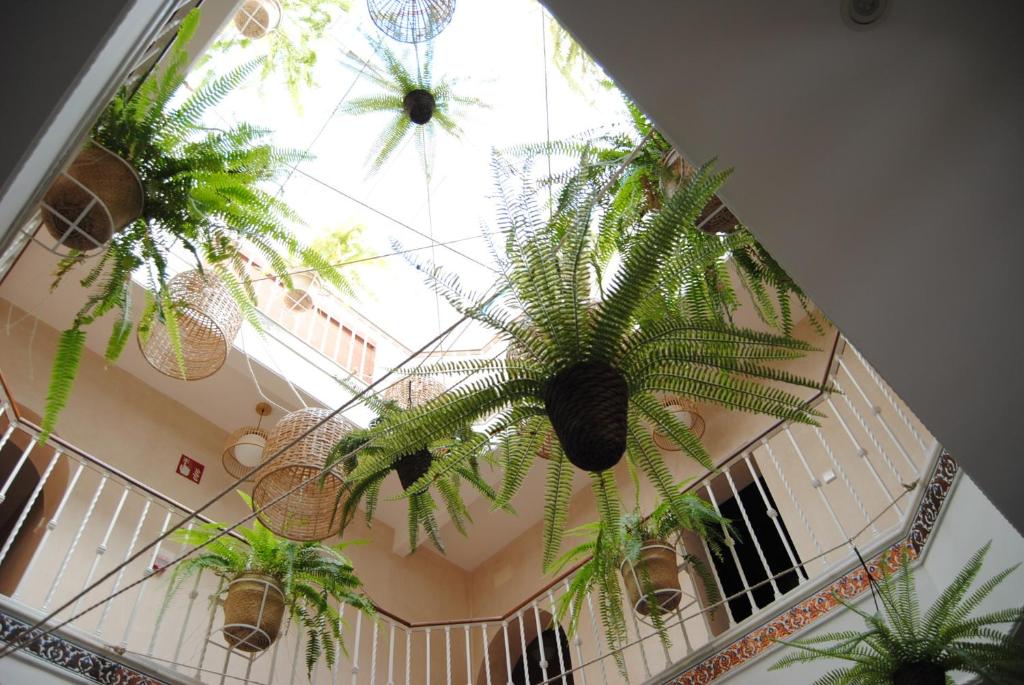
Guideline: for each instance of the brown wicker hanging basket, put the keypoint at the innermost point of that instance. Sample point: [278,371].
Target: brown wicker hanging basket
[412,391]
[256,18]
[245,447]
[684,410]
[98,195]
[920,673]
[308,513]
[587,404]
[659,563]
[253,610]
[419,106]
[208,321]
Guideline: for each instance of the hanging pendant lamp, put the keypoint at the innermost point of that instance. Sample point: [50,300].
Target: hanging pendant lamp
[684,410]
[411,21]
[245,447]
[308,513]
[208,321]
[256,18]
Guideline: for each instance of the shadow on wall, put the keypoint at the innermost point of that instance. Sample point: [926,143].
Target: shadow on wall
[14,564]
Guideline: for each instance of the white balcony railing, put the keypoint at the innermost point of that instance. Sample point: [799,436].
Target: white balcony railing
[804,500]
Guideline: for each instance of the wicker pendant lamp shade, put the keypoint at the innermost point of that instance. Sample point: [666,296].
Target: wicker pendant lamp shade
[411,21]
[413,391]
[684,410]
[208,321]
[308,513]
[246,446]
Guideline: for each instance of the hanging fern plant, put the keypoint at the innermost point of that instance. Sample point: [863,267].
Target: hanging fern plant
[204,192]
[590,360]
[419,104]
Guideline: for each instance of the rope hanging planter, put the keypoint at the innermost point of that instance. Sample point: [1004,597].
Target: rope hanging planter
[684,410]
[97,196]
[256,18]
[307,514]
[407,393]
[419,106]
[657,571]
[208,321]
[587,404]
[245,447]
[253,611]
[411,21]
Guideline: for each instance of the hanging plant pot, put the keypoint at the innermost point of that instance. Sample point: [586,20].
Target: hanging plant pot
[921,673]
[412,391]
[658,562]
[419,106]
[96,197]
[256,18]
[302,295]
[208,321]
[587,405]
[253,611]
[684,410]
[412,467]
[307,512]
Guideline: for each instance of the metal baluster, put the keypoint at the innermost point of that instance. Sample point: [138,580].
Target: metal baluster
[817,485]
[408,654]
[576,638]
[62,569]
[796,502]
[640,643]
[209,624]
[540,642]
[120,573]
[597,640]
[391,653]
[558,635]
[508,653]
[522,645]
[487,654]
[428,655]
[28,505]
[448,654]
[101,549]
[870,433]
[373,655]
[7,434]
[889,397]
[355,648]
[50,526]
[877,411]
[468,654]
[731,544]
[337,662]
[17,467]
[753,534]
[774,516]
[863,454]
[846,479]
[188,614]
[147,572]
[721,590]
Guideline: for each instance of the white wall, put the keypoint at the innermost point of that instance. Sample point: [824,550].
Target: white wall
[881,167]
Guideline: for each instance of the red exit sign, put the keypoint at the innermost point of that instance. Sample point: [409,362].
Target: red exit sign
[190,468]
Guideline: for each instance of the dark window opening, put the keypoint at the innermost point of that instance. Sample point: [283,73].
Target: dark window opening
[529,672]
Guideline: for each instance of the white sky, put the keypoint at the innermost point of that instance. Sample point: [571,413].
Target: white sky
[494,50]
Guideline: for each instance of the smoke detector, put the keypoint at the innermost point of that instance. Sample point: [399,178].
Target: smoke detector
[861,14]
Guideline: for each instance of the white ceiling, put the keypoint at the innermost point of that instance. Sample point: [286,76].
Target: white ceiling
[882,167]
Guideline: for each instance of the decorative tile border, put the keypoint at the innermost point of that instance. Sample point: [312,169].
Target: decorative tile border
[848,587]
[74,658]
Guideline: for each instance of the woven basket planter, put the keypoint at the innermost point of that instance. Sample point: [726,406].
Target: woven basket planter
[412,391]
[308,513]
[96,197]
[411,21]
[419,106]
[256,18]
[253,611]
[659,562]
[684,410]
[305,288]
[208,321]
[587,405]
[923,673]
[412,467]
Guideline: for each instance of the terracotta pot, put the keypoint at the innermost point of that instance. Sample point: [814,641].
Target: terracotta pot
[587,404]
[256,18]
[118,199]
[659,561]
[413,466]
[419,105]
[920,673]
[302,295]
[252,612]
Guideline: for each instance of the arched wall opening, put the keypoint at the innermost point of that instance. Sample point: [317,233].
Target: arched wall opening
[525,667]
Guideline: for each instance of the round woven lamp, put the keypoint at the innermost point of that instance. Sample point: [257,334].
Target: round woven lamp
[256,18]
[246,446]
[308,513]
[412,391]
[411,21]
[208,321]
[684,410]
